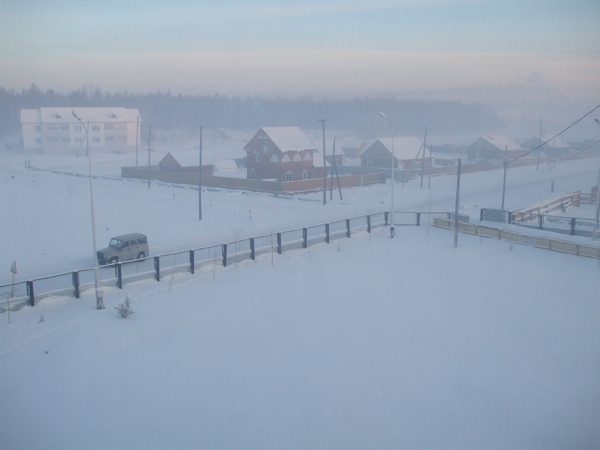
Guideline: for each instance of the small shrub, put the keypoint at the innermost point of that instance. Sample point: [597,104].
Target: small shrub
[124,308]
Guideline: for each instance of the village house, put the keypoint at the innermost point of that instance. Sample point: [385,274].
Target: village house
[282,154]
[379,154]
[353,147]
[57,131]
[493,147]
[553,148]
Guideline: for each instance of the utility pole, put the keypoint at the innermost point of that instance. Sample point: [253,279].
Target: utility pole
[423,160]
[200,179]
[149,140]
[456,206]
[504,184]
[324,165]
[137,133]
[538,152]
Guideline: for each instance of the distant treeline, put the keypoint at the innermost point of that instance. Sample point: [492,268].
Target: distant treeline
[166,111]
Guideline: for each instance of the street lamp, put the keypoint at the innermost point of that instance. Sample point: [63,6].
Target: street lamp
[99,302]
[392,232]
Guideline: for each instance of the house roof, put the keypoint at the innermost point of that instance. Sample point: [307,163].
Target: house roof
[501,142]
[64,115]
[554,143]
[404,147]
[289,138]
[352,144]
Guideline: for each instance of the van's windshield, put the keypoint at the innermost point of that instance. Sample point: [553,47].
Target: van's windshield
[116,243]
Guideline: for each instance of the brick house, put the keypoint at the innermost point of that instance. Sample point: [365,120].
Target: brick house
[378,154]
[353,147]
[282,154]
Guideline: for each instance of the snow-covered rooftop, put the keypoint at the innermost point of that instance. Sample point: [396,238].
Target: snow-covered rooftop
[65,115]
[289,138]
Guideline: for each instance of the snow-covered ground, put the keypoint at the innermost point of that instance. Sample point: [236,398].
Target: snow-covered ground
[366,342]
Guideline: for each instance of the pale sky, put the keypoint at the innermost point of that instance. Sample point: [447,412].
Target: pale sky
[335,48]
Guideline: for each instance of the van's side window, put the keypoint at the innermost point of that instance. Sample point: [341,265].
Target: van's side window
[133,243]
[142,240]
[126,244]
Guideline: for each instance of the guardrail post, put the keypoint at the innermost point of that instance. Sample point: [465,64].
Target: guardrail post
[347,227]
[224,253]
[305,237]
[30,293]
[192,263]
[119,274]
[76,283]
[481,214]
[418,218]
[510,217]
[369,223]
[157,268]
[386,217]
[279,243]
[573,226]
[541,221]
[327,233]
[252,252]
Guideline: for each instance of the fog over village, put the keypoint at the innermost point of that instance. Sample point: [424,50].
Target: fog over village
[300,225]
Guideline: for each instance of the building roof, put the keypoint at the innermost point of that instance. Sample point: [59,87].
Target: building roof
[404,147]
[289,138]
[353,144]
[554,143]
[501,142]
[94,115]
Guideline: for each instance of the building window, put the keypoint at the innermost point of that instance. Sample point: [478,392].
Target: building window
[96,140]
[51,140]
[120,126]
[252,175]
[78,128]
[304,175]
[109,126]
[121,138]
[109,138]
[65,139]
[95,127]
[52,127]
[64,127]
[257,155]
[38,128]
[369,163]
[38,140]
[288,176]
[417,166]
[78,140]
[263,139]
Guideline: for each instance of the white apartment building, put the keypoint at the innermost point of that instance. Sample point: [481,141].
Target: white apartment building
[58,131]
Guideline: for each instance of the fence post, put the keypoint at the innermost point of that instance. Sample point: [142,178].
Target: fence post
[119,275]
[418,218]
[252,252]
[327,233]
[192,262]
[541,221]
[157,268]
[279,243]
[510,217]
[30,293]
[386,218]
[572,226]
[305,237]
[224,254]
[347,227]
[369,223]
[76,283]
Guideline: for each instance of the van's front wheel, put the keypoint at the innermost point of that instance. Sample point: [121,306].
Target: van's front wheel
[141,255]
[113,260]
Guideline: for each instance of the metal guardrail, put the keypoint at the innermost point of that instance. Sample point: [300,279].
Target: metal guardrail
[16,295]
[573,248]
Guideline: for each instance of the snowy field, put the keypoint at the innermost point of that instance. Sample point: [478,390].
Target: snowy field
[366,342]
